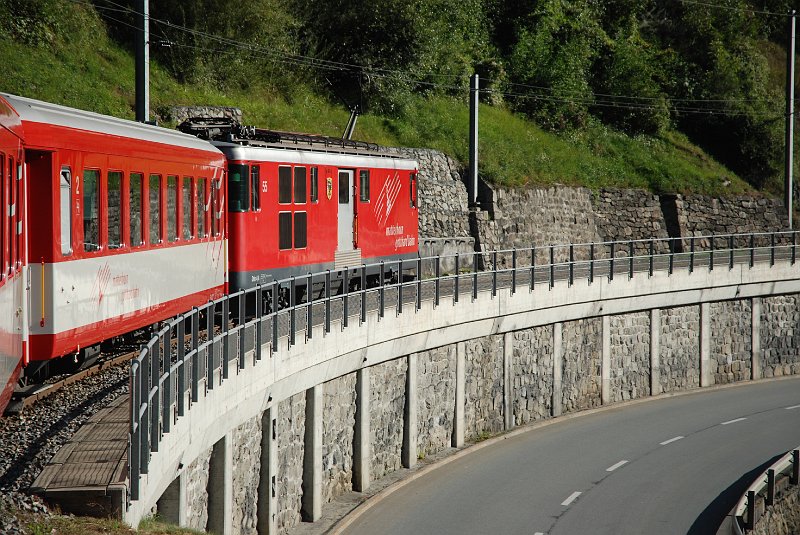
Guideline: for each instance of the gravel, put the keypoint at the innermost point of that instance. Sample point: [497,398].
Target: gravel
[28,440]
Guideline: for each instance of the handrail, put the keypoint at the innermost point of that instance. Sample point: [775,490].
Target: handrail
[171,370]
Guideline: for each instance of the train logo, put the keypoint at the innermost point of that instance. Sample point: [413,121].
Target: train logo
[329,187]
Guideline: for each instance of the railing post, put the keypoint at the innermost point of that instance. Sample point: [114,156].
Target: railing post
[455,283]
[182,369]
[691,254]
[794,246]
[275,290]
[327,301]
[730,248]
[513,271]
[752,249]
[795,477]
[771,249]
[292,311]
[225,340]
[437,272]
[533,268]
[363,316]
[309,305]
[494,273]
[671,256]
[400,289]
[195,358]
[591,263]
[345,294]
[552,266]
[611,262]
[382,295]
[210,353]
[630,260]
[475,275]
[241,301]
[571,264]
[259,315]
[419,283]
[711,254]
[751,509]
[652,258]
[770,487]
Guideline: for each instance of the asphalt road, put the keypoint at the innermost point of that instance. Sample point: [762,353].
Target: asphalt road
[668,466]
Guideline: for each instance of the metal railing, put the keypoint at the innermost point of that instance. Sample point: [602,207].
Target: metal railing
[198,350]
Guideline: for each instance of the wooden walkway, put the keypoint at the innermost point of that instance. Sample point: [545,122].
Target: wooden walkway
[88,474]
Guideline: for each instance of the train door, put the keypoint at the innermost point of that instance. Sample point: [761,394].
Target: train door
[346,203]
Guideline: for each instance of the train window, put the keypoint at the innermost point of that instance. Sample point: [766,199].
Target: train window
[2,236]
[113,209]
[413,190]
[300,185]
[66,210]
[216,208]
[155,208]
[12,212]
[202,208]
[314,184]
[91,215]
[20,205]
[238,191]
[255,188]
[186,206]
[344,187]
[284,185]
[172,208]
[363,185]
[300,225]
[136,209]
[285,230]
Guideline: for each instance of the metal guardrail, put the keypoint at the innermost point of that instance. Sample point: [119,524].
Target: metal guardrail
[762,493]
[182,362]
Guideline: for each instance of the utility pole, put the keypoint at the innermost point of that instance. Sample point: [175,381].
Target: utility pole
[143,63]
[788,185]
[473,140]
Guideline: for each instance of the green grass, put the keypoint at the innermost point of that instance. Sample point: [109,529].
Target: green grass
[88,70]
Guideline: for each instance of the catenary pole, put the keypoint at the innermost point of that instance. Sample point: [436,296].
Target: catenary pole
[788,185]
[473,140]
[143,63]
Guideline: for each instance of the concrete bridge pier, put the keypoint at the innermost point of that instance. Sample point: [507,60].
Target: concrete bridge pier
[220,487]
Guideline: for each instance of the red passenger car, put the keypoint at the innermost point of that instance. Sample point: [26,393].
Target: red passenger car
[125,227]
[299,208]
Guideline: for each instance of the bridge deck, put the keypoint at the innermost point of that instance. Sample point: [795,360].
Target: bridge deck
[87,475]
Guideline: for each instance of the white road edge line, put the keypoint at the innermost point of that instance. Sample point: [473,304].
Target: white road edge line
[572,498]
[793,407]
[615,466]
[671,440]
[538,533]
[733,421]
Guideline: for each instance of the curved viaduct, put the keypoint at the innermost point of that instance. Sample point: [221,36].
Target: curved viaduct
[282,435]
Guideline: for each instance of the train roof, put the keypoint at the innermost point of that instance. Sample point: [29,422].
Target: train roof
[299,154]
[37,111]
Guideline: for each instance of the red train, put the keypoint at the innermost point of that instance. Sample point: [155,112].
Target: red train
[109,225]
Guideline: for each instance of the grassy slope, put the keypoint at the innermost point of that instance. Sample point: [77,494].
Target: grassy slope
[89,71]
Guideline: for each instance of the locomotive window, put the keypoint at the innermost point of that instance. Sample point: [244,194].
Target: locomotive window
[216,209]
[202,208]
[172,208]
[12,213]
[155,209]
[186,206]
[300,220]
[285,230]
[255,188]
[344,187]
[413,190]
[113,209]
[363,185]
[91,215]
[300,185]
[314,184]
[284,185]
[135,223]
[238,191]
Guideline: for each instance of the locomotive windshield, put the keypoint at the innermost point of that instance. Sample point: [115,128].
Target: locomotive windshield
[238,187]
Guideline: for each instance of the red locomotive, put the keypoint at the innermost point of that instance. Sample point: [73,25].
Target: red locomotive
[109,226]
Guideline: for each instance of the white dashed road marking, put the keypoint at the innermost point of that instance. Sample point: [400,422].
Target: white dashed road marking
[671,440]
[733,421]
[615,466]
[572,498]
[793,407]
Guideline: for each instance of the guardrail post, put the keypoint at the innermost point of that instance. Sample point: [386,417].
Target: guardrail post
[730,248]
[691,254]
[771,249]
[437,268]
[770,487]
[751,509]
[652,258]
[455,283]
[630,260]
[711,254]
[327,301]
[752,249]
[611,262]
[494,273]
[513,271]
[345,292]
[195,359]
[475,275]
[552,266]
[591,263]
[400,289]
[571,264]
[533,268]
[309,305]
[795,477]
[382,295]
[241,301]
[292,311]
[210,364]
[419,283]
[225,339]
[182,369]
[363,317]
[794,246]
[671,256]
[275,290]
[259,315]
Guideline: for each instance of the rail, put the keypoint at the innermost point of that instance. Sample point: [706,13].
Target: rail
[183,361]
[762,493]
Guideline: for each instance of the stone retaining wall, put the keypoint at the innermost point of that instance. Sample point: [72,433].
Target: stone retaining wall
[532,374]
[583,346]
[630,356]
[731,345]
[246,469]
[290,431]
[338,429]
[783,517]
[197,492]
[780,335]
[483,411]
[680,349]
[436,400]
[387,403]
